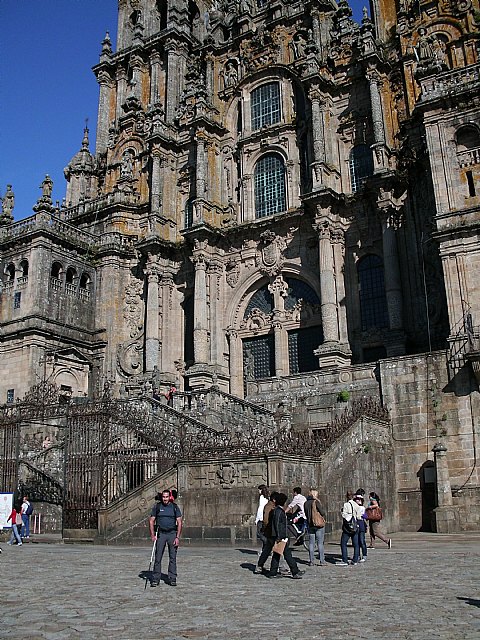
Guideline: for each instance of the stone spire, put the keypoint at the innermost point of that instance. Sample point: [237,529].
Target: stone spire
[80,173]
[8,203]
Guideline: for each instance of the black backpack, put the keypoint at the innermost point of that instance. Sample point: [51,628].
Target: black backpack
[29,510]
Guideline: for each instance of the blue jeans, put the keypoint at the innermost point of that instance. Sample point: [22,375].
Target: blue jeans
[319,536]
[362,543]
[343,545]
[165,538]
[15,534]
[26,525]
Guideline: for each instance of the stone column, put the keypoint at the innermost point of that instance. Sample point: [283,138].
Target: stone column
[328,298]
[248,199]
[152,344]
[137,68]
[155,61]
[318,133]
[201,181]
[236,363]
[121,78]
[446,515]
[200,313]
[278,288]
[156,184]
[103,118]
[393,287]
[376,105]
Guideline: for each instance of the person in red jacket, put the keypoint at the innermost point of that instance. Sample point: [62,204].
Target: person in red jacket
[16,519]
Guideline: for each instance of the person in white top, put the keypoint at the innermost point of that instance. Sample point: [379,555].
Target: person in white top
[296,505]
[351,513]
[262,501]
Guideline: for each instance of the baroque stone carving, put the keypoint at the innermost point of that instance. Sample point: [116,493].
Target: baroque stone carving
[271,256]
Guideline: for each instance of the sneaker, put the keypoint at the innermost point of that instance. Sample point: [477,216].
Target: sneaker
[354,564]
[389,543]
[154,584]
[172,582]
[297,576]
[342,564]
[19,544]
[363,559]
[10,543]
[258,570]
[311,564]
[322,564]
[275,575]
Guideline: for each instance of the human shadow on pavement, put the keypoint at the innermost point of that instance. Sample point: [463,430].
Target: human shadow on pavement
[249,551]
[248,565]
[472,601]
[148,576]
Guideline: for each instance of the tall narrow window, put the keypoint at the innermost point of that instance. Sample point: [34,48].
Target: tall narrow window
[471,184]
[373,300]
[17,299]
[10,396]
[265,105]
[269,183]
[361,165]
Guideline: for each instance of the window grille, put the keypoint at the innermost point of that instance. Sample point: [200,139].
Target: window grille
[17,299]
[10,396]
[265,105]
[361,165]
[269,184]
[259,357]
[301,345]
[299,290]
[373,300]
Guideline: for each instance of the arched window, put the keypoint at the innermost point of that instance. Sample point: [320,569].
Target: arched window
[468,137]
[84,281]
[373,300]
[299,290]
[262,299]
[361,165]
[71,275]
[56,270]
[10,272]
[188,214]
[24,268]
[265,105]
[269,184]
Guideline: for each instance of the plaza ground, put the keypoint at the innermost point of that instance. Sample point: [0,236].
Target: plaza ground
[426,587]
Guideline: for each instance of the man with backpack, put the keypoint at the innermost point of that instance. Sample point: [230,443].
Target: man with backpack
[165,529]
[27,511]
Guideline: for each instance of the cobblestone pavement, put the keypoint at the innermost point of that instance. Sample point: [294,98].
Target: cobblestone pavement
[425,587]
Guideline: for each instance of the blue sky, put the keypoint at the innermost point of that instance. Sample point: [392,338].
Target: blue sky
[47,88]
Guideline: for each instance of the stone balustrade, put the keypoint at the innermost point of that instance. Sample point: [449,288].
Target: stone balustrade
[450,82]
[469,157]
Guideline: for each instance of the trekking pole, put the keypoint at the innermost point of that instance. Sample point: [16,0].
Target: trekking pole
[151,559]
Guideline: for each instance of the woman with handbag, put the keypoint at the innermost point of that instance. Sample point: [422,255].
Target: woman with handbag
[351,513]
[316,527]
[375,515]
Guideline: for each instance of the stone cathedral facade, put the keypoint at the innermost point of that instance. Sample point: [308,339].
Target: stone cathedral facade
[281,203]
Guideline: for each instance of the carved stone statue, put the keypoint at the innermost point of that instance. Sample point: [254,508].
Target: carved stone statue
[424,47]
[8,202]
[126,168]
[230,75]
[47,187]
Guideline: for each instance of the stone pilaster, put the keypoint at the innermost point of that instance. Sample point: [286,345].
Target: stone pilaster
[121,78]
[103,119]
[278,288]
[201,167]
[236,363]
[393,286]
[176,64]
[215,272]
[156,183]
[152,344]
[155,63]
[200,331]
[169,330]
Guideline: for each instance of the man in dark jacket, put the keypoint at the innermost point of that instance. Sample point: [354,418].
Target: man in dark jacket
[275,532]
[165,528]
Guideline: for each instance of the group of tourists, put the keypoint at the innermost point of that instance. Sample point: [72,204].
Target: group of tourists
[356,518]
[308,518]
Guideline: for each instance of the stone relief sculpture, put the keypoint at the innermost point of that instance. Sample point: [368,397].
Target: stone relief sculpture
[126,167]
[230,75]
